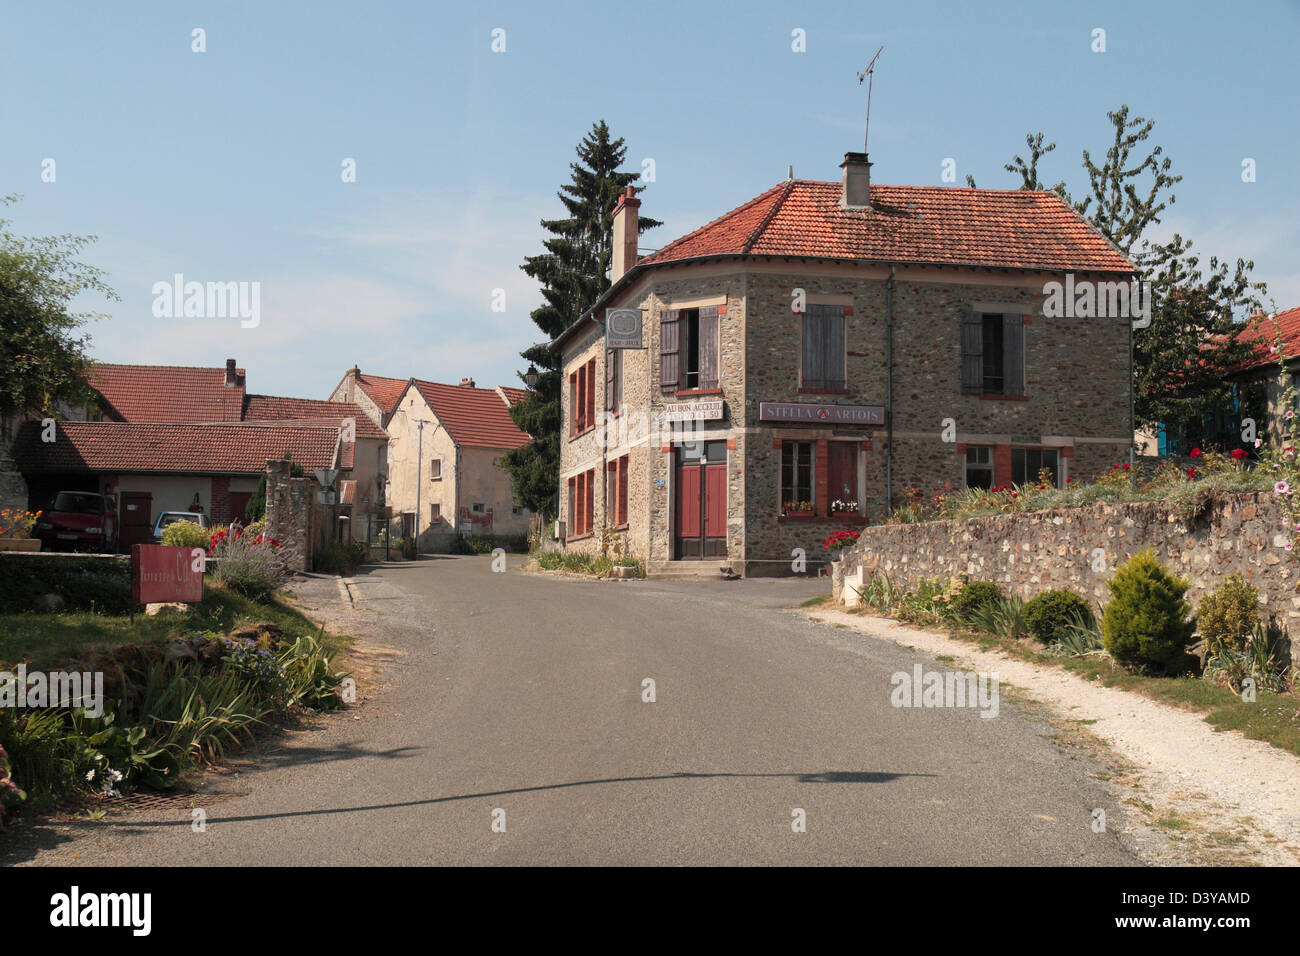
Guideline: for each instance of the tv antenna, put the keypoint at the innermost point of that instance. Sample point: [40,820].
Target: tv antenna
[868,75]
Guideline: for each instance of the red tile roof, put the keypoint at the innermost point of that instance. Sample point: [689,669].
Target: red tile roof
[169,393]
[169,448]
[474,417]
[384,392]
[1017,229]
[274,408]
[1264,331]
[514,395]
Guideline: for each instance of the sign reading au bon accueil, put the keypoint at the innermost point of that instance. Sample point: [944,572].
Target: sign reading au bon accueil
[623,329]
[810,414]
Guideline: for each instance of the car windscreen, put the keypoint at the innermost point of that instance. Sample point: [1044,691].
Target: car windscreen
[71,502]
[172,518]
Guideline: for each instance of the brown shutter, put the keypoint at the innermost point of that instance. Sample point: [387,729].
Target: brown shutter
[972,352]
[610,379]
[574,408]
[709,346]
[618,379]
[591,393]
[833,319]
[669,335]
[1013,354]
[814,349]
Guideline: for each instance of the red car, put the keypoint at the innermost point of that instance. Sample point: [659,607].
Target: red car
[78,521]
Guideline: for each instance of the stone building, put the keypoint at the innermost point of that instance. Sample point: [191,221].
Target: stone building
[826,350]
[445,444]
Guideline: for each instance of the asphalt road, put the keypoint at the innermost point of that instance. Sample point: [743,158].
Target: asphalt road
[523,693]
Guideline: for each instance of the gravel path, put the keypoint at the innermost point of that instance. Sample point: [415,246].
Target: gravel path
[1210,796]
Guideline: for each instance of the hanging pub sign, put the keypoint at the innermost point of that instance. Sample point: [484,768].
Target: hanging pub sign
[623,329]
[798,413]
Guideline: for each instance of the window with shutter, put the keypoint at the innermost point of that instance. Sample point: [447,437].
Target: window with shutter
[591,394]
[972,352]
[669,369]
[823,347]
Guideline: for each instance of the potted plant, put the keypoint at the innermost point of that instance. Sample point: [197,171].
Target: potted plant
[16,530]
[837,541]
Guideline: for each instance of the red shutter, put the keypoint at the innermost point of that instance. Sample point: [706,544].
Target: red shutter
[591,393]
[669,337]
[574,408]
[609,380]
[591,494]
[622,489]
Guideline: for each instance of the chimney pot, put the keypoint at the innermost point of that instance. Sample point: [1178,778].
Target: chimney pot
[232,374]
[467,382]
[356,371]
[856,193]
[626,232]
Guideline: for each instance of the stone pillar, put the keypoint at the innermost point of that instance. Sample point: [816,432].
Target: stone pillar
[288,514]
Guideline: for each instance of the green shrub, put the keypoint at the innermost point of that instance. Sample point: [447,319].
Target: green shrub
[253,570]
[1146,624]
[1264,658]
[1004,617]
[84,582]
[1228,614]
[1051,614]
[973,597]
[185,534]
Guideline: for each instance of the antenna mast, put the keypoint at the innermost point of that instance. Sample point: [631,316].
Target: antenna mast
[868,75]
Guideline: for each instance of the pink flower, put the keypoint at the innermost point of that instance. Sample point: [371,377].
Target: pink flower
[1258,442]
[1281,488]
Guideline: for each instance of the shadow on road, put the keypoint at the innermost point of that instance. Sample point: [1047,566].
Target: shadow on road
[826,776]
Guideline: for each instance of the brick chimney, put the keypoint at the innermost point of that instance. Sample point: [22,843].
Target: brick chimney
[625,234]
[856,193]
[232,374]
[356,371]
[466,383]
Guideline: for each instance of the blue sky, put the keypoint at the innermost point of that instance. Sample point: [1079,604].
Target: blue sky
[225,165]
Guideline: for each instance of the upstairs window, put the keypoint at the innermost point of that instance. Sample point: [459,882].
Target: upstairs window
[688,349]
[823,347]
[582,399]
[992,353]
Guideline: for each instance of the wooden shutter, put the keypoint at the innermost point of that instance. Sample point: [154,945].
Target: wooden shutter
[833,363]
[610,379]
[972,352]
[1013,354]
[669,348]
[591,393]
[574,408]
[618,379]
[709,346]
[814,349]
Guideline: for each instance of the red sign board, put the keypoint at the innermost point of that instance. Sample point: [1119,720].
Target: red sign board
[161,573]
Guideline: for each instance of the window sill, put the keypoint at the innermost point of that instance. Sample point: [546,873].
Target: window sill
[692,392]
[579,537]
[1004,398]
[840,518]
[621,527]
[824,391]
[576,435]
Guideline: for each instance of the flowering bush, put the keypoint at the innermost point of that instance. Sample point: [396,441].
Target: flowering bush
[185,534]
[796,507]
[17,523]
[844,507]
[839,540]
[217,541]
[253,567]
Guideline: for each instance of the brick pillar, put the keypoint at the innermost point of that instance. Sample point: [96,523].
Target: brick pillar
[1001,465]
[221,500]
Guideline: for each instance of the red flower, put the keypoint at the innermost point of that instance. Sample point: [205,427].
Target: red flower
[1238,454]
[1196,453]
[1191,472]
[1126,467]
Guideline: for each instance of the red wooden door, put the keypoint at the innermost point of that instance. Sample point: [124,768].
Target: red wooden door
[701,505]
[136,517]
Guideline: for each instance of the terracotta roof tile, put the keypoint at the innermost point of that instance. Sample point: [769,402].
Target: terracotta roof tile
[274,408]
[475,417]
[1264,331]
[224,449]
[916,224]
[384,392]
[169,393]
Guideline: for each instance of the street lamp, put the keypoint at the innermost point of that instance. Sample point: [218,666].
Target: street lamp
[530,377]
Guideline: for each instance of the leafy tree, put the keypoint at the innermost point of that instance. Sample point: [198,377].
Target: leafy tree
[1146,625]
[1182,361]
[42,345]
[572,272]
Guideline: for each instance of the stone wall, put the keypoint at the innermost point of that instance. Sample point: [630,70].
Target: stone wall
[291,514]
[1030,553]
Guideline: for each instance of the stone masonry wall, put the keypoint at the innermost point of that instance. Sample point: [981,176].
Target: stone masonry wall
[291,514]
[1031,553]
